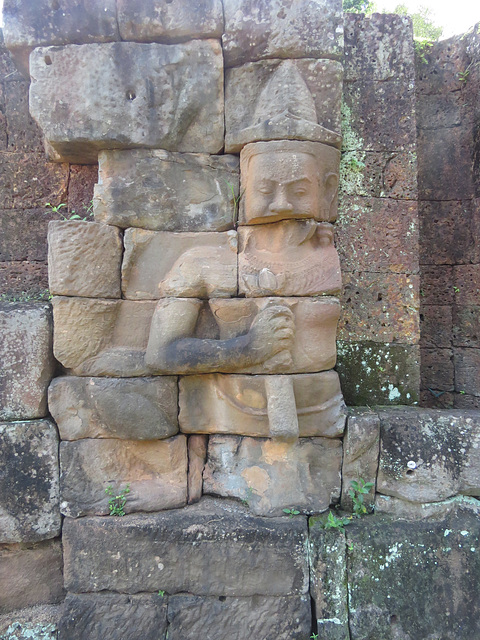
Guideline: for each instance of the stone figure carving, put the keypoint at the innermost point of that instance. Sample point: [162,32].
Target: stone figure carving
[288,179]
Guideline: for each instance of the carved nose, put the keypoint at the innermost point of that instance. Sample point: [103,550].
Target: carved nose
[280,204]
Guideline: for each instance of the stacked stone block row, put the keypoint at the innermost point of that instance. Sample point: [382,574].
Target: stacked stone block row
[448,110]
[378,224]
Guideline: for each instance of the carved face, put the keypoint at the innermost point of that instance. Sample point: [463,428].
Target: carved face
[281,185]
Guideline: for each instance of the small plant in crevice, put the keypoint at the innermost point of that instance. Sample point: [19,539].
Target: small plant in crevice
[336,522]
[161,593]
[236,199]
[358,489]
[249,493]
[116,503]
[72,215]
[291,512]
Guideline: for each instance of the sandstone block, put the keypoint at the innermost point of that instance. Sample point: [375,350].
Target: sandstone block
[466,325]
[436,326]
[23,133]
[197,456]
[20,280]
[271,475]
[129,409]
[373,373]
[29,491]
[239,405]
[328,582]
[160,190]
[38,622]
[360,453]
[169,23]
[154,470]
[23,235]
[84,259]
[378,234]
[379,174]
[380,307]
[467,284]
[405,565]
[292,257]
[244,335]
[185,265]
[438,371]
[204,549]
[81,183]
[287,179]
[281,100]
[280,29]
[405,510]
[280,618]
[30,575]
[437,284]
[26,360]
[135,90]
[467,371]
[428,455]
[28,25]
[106,616]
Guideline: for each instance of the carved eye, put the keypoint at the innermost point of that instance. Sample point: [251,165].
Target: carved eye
[299,191]
[265,190]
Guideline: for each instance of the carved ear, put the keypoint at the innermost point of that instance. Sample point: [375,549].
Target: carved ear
[330,187]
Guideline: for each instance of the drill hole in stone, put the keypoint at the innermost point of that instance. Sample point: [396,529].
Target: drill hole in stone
[393,619]
[131,95]
[48,60]
[222,598]
[410,472]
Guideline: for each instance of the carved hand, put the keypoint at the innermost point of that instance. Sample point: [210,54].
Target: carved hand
[272,331]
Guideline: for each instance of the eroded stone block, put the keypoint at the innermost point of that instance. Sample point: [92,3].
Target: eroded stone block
[84,259]
[467,371]
[406,510]
[127,94]
[204,549]
[197,456]
[239,405]
[154,470]
[280,29]
[429,455]
[287,179]
[26,360]
[289,258]
[360,454]
[192,617]
[170,22]
[30,575]
[38,622]
[110,615]
[29,491]
[243,335]
[271,475]
[159,190]
[282,100]
[184,265]
[397,575]
[129,409]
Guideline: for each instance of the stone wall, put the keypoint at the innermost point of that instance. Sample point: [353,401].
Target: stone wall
[448,112]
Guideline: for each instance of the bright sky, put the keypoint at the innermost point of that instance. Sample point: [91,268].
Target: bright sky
[455,16]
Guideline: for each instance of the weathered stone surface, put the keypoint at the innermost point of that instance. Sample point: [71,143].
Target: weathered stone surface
[243,335]
[159,190]
[29,491]
[398,572]
[136,91]
[271,475]
[437,370]
[24,280]
[374,373]
[34,623]
[206,549]
[170,22]
[369,109]
[405,510]
[328,582]
[23,234]
[378,235]
[289,258]
[466,279]
[443,76]
[26,360]
[197,456]
[23,133]
[287,179]
[129,409]
[159,264]
[428,455]
[27,180]
[437,284]
[154,470]
[433,399]
[81,182]
[380,307]
[279,29]
[466,325]
[30,575]
[84,259]
[103,616]
[280,618]
[102,337]
[361,446]
[281,100]
[239,405]
[379,174]
[28,25]
[467,371]
[379,47]
[436,326]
